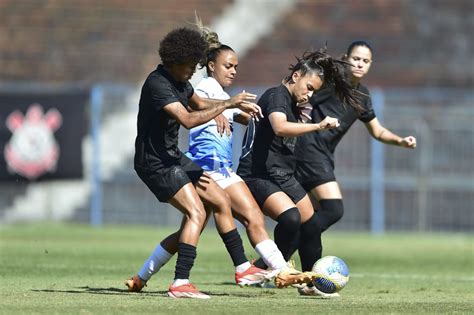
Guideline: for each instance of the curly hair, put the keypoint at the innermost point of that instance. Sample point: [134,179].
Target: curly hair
[182,45]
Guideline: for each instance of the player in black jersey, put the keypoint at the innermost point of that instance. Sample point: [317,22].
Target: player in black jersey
[268,166]
[167,101]
[315,152]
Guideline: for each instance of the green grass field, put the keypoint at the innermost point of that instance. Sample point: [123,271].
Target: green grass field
[74,269]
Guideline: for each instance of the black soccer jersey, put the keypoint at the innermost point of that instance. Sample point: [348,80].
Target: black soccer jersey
[157,141]
[325,103]
[271,156]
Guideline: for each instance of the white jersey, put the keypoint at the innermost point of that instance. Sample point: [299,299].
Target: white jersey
[207,147]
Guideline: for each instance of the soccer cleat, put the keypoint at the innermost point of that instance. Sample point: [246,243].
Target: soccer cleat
[251,276]
[313,291]
[135,284]
[267,285]
[186,291]
[290,276]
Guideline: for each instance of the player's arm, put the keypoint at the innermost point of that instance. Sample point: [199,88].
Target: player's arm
[382,134]
[194,118]
[190,119]
[284,128]
[200,103]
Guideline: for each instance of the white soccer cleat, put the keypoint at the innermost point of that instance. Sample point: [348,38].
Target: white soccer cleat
[251,276]
[186,291]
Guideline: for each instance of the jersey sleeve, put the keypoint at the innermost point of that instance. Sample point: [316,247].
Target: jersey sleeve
[276,103]
[162,93]
[368,114]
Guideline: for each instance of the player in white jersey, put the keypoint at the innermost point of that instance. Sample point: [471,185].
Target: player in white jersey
[210,146]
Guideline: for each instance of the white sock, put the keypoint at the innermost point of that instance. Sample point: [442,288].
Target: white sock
[242,267]
[157,259]
[270,254]
[178,282]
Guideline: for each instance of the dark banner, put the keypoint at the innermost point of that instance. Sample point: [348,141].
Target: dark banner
[41,135]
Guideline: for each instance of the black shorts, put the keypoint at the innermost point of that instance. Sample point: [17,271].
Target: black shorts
[262,189]
[165,182]
[313,174]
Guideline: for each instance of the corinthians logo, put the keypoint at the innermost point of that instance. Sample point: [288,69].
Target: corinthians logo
[32,150]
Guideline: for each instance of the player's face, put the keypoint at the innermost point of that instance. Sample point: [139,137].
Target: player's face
[183,72]
[224,68]
[360,59]
[305,86]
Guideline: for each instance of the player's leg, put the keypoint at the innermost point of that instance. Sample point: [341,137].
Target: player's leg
[216,198]
[246,210]
[281,208]
[331,208]
[158,258]
[310,234]
[188,202]
[328,198]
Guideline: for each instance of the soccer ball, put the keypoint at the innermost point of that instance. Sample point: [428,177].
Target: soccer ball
[333,274]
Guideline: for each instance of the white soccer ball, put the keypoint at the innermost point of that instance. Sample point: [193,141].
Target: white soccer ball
[333,274]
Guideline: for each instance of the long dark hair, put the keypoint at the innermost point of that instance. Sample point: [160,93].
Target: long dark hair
[331,71]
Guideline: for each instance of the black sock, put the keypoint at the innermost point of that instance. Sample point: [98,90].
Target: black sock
[286,232]
[185,261]
[331,211]
[234,246]
[260,263]
[310,247]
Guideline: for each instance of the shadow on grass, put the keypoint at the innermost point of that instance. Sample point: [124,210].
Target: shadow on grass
[116,291]
[107,291]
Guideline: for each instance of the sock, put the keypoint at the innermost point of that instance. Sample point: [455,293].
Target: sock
[331,211]
[287,232]
[234,246]
[242,267]
[310,246]
[157,259]
[286,235]
[270,254]
[184,263]
[178,282]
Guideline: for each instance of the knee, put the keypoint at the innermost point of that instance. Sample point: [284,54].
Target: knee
[221,203]
[333,210]
[290,220]
[255,222]
[310,227]
[197,215]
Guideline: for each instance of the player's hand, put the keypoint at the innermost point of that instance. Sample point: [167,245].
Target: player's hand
[222,125]
[237,100]
[408,142]
[329,123]
[252,109]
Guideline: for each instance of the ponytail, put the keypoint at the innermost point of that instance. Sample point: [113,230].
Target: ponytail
[332,72]
[215,47]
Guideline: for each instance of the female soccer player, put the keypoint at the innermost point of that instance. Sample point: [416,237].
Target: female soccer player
[212,151]
[268,166]
[315,152]
[165,98]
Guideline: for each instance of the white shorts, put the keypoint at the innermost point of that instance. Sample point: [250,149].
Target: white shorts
[224,177]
